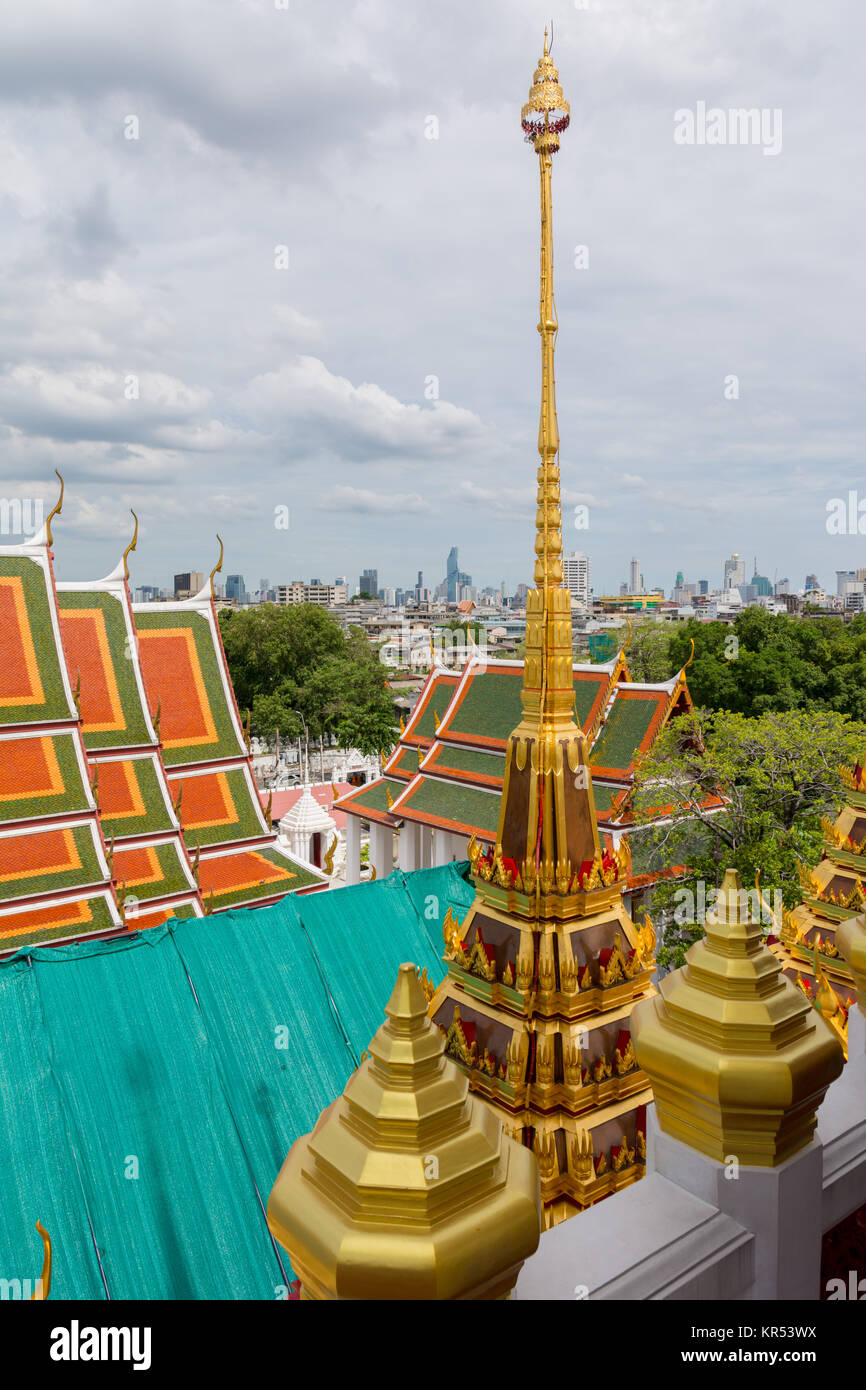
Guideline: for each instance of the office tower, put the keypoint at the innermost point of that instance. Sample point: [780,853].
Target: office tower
[735,572]
[455,579]
[577,574]
[189,584]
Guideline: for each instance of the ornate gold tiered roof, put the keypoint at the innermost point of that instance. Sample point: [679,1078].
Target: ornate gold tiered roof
[834,892]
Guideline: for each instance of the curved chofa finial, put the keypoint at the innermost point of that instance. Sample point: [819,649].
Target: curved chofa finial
[217,569]
[627,643]
[55,510]
[132,545]
[43,1284]
[691,655]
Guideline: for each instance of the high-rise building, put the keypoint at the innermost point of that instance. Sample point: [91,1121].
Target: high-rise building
[735,572]
[577,574]
[812,581]
[703,586]
[189,584]
[235,588]
[455,579]
[634,581]
[323,595]
[369,583]
[844,577]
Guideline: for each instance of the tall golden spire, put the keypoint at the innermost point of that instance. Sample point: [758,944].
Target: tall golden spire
[547,823]
[546,964]
[543,118]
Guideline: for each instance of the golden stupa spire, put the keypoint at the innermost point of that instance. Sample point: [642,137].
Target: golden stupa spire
[408,1187]
[547,822]
[738,1060]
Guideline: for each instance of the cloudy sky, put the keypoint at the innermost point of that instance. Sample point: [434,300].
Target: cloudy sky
[161,162]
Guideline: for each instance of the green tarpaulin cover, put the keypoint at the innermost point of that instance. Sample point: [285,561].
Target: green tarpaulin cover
[151,1086]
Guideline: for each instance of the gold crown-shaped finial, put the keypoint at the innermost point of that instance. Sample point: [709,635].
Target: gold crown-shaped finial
[547,113]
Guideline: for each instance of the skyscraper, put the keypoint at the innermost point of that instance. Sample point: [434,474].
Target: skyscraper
[634,584]
[735,572]
[577,573]
[235,588]
[369,583]
[455,579]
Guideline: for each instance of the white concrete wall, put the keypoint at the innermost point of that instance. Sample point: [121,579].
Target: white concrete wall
[696,1228]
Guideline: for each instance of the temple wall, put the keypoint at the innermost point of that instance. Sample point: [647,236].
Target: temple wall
[691,1229]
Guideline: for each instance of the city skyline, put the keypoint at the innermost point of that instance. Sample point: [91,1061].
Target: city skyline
[200,318]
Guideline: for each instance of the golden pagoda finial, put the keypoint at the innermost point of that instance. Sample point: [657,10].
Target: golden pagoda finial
[367,1208]
[43,1284]
[132,545]
[217,569]
[691,654]
[55,511]
[738,1060]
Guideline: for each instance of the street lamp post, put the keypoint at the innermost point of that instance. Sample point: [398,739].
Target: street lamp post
[306,743]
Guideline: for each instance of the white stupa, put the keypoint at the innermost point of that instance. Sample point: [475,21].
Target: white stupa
[308,829]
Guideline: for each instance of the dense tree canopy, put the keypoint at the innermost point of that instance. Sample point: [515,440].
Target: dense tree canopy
[761,662]
[291,661]
[777,772]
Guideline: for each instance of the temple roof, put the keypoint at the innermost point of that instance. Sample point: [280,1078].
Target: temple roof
[189,690]
[55,880]
[187,681]
[149,862]
[101,655]
[462,752]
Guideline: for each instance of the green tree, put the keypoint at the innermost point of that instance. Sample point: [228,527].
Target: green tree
[288,662]
[648,653]
[743,793]
[764,662]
